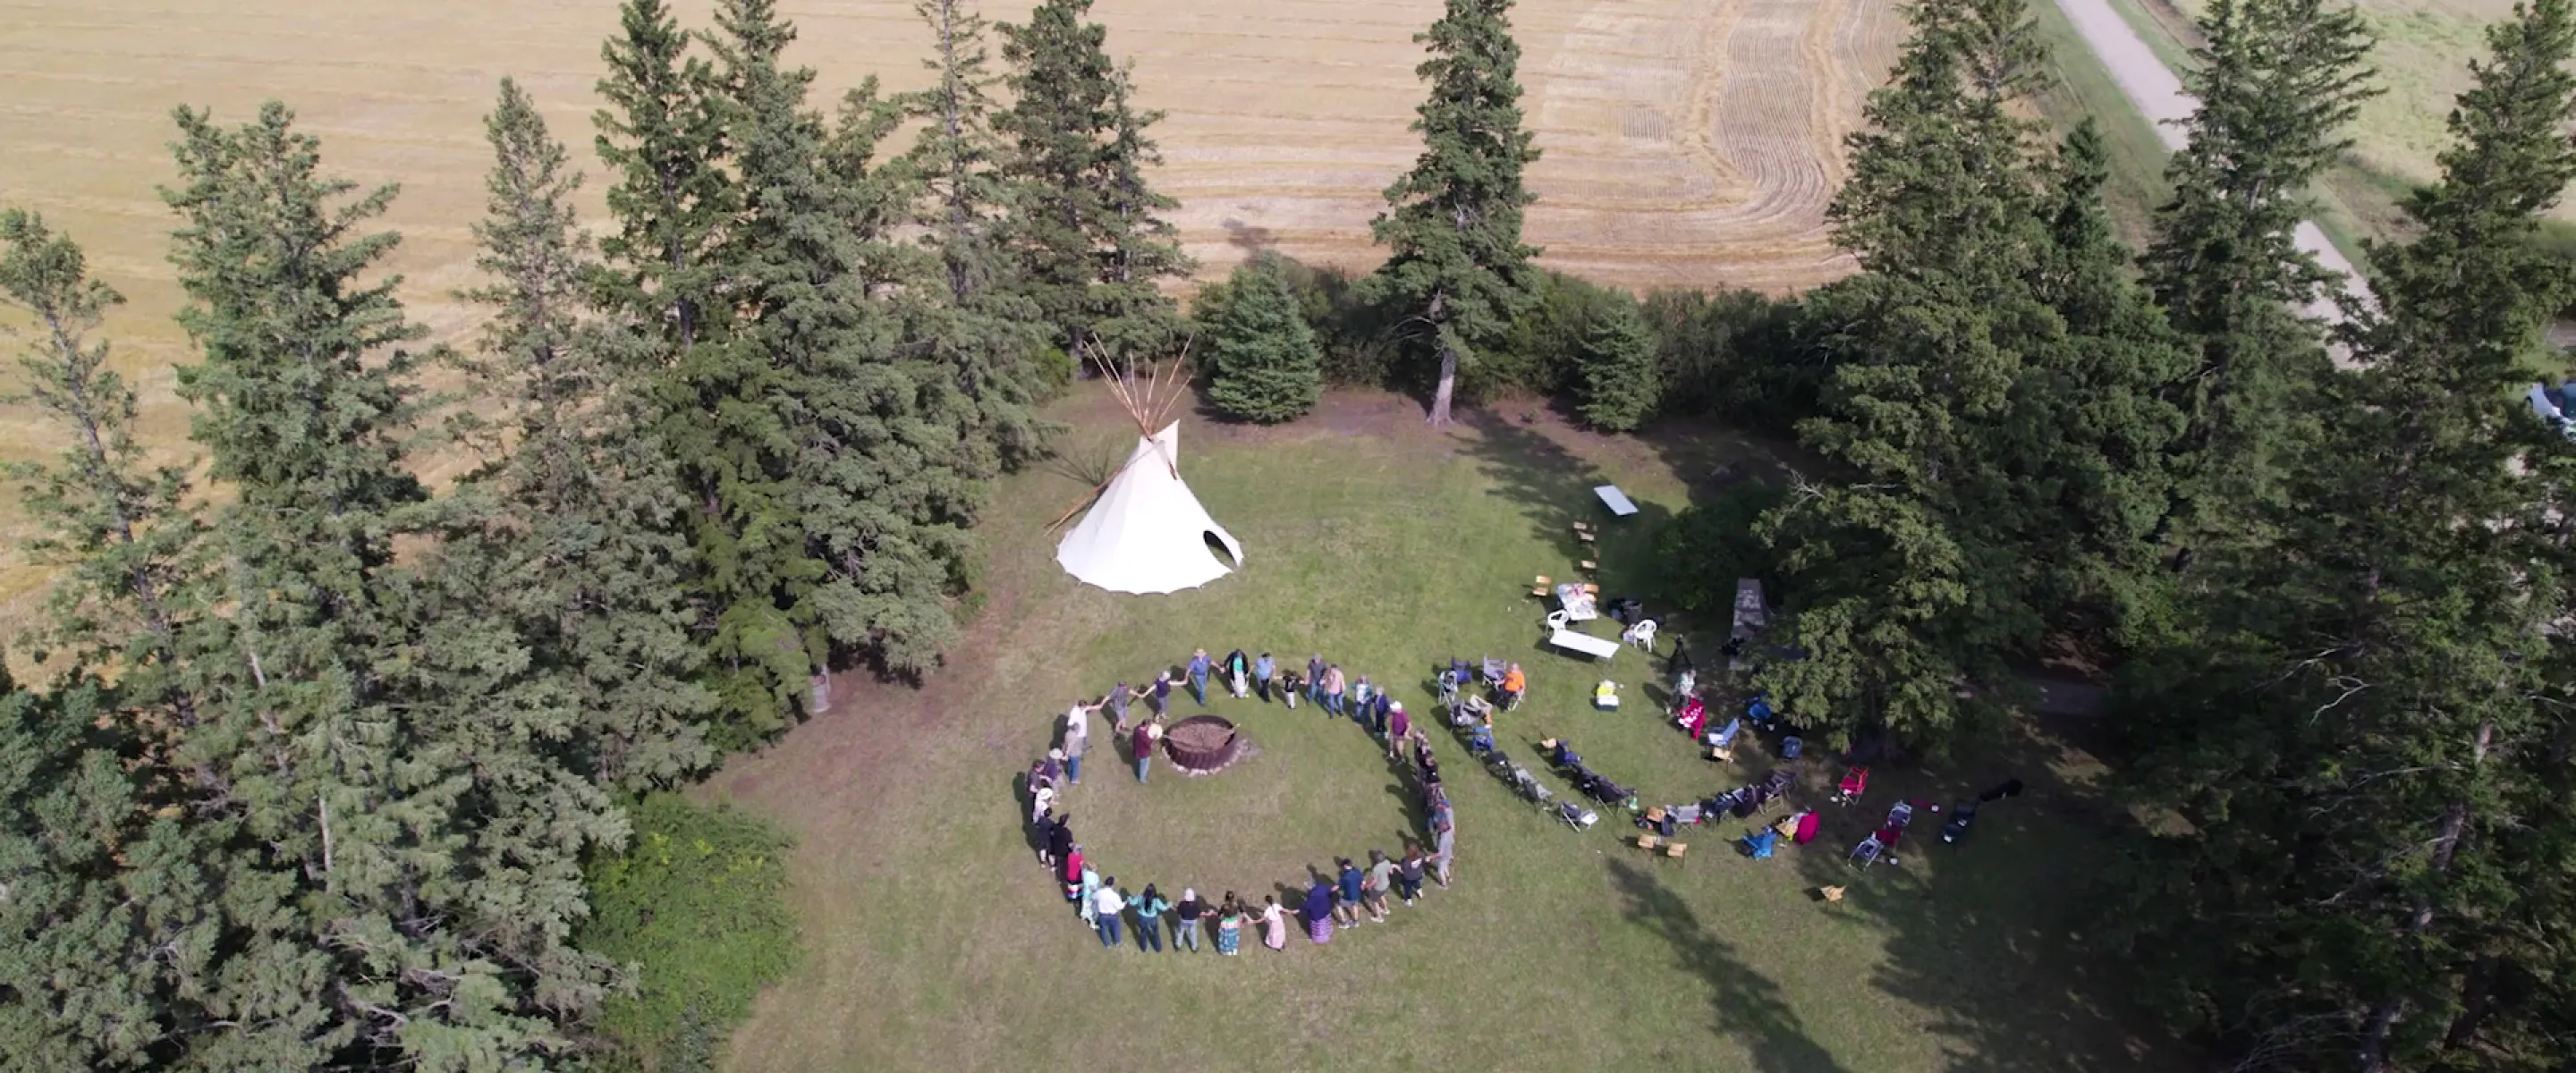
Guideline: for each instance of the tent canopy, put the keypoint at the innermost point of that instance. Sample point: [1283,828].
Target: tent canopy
[1147,533]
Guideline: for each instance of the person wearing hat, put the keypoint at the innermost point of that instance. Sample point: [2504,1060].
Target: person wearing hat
[1399,726]
[1185,920]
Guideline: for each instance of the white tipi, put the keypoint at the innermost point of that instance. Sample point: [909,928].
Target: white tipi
[1146,533]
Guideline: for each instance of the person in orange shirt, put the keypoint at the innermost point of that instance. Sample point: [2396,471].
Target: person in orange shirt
[1514,682]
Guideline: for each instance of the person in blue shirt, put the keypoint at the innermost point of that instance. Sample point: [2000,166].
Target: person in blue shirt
[1149,908]
[1199,668]
[1262,672]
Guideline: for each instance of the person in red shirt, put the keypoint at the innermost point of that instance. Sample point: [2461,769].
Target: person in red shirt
[1147,736]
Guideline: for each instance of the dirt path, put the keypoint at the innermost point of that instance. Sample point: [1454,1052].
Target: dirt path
[2159,96]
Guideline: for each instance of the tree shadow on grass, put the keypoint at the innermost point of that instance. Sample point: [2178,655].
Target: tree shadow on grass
[1744,1005]
[1552,488]
[1985,934]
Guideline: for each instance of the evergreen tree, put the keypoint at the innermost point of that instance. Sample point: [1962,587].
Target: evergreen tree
[2075,473]
[990,331]
[1264,363]
[1903,606]
[564,544]
[115,523]
[876,459]
[1093,246]
[1456,271]
[661,136]
[404,867]
[2276,81]
[2374,779]
[106,908]
[1621,373]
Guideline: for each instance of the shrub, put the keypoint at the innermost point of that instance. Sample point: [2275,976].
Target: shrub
[1619,377]
[1263,362]
[1542,351]
[1736,355]
[695,908]
[1707,547]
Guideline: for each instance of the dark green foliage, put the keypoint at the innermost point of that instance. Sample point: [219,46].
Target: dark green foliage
[1263,363]
[1895,606]
[1617,362]
[1709,546]
[869,454]
[1456,272]
[1091,240]
[2277,80]
[114,522]
[662,138]
[1543,350]
[564,544]
[696,910]
[992,332]
[1737,355]
[2370,756]
[1989,407]
[402,866]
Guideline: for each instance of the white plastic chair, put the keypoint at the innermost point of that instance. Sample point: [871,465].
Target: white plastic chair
[1642,635]
[1559,619]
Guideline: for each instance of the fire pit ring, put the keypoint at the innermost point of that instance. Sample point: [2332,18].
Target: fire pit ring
[1203,744]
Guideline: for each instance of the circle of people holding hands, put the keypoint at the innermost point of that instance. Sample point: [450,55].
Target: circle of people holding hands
[1332,901]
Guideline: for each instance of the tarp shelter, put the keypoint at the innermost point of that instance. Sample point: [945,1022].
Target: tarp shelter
[1147,533]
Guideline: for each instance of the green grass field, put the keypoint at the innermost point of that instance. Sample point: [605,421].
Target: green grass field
[935,941]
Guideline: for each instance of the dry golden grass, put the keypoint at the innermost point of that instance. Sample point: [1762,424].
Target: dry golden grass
[1686,143]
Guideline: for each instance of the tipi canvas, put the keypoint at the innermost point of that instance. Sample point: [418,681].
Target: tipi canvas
[1147,533]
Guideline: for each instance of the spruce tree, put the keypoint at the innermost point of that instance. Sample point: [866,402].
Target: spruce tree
[1456,271]
[2075,473]
[1903,606]
[661,137]
[991,332]
[108,916]
[565,542]
[877,459]
[2382,783]
[406,865]
[1620,371]
[1088,229]
[115,522]
[2276,81]
[1263,361]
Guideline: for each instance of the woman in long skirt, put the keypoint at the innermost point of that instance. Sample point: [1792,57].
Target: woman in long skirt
[1274,925]
[1229,926]
[1319,912]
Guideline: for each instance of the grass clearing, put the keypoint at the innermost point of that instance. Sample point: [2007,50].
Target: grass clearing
[934,940]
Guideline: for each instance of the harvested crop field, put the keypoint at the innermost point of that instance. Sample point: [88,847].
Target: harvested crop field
[1688,142]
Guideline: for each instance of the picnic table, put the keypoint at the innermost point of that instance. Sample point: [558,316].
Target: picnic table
[1577,603]
[1751,616]
[1615,499]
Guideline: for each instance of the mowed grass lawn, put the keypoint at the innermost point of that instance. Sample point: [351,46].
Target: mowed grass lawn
[936,942]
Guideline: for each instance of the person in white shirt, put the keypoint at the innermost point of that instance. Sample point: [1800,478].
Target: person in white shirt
[1106,904]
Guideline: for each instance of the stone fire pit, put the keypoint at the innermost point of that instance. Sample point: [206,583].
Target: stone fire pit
[1203,744]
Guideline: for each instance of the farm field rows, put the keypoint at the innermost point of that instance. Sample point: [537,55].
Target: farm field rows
[1686,143]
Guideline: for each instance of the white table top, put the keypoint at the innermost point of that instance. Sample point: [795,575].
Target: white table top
[1596,647]
[1615,499]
